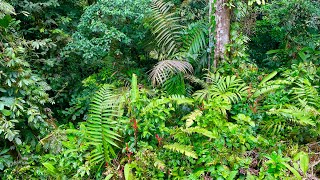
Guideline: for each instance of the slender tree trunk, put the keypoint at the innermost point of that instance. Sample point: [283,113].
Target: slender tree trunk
[210,34]
[222,30]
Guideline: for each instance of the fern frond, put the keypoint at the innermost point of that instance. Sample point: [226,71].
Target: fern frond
[265,90]
[179,99]
[307,92]
[186,150]
[165,27]
[167,68]
[190,118]
[101,126]
[202,131]
[299,116]
[266,86]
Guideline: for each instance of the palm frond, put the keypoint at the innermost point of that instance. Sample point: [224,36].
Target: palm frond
[101,125]
[175,85]
[195,38]
[5,8]
[228,88]
[165,27]
[167,68]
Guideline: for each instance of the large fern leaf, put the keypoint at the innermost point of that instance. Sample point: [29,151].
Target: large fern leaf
[101,125]
[307,92]
[297,115]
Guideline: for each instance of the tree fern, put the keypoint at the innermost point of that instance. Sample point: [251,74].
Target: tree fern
[101,125]
[186,150]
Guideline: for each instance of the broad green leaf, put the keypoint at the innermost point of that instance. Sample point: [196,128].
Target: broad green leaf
[274,51]
[302,55]
[1,166]
[50,167]
[6,112]
[134,88]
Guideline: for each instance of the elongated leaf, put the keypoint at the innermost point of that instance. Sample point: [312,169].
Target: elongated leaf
[268,77]
[127,172]
[294,172]
[51,169]
[108,177]
[304,162]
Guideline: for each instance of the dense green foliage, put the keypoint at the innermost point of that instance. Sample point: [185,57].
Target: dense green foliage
[124,89]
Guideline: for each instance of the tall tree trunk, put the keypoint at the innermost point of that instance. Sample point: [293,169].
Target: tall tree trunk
[222,30]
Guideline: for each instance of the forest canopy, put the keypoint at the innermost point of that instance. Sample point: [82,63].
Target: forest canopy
[159,89]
